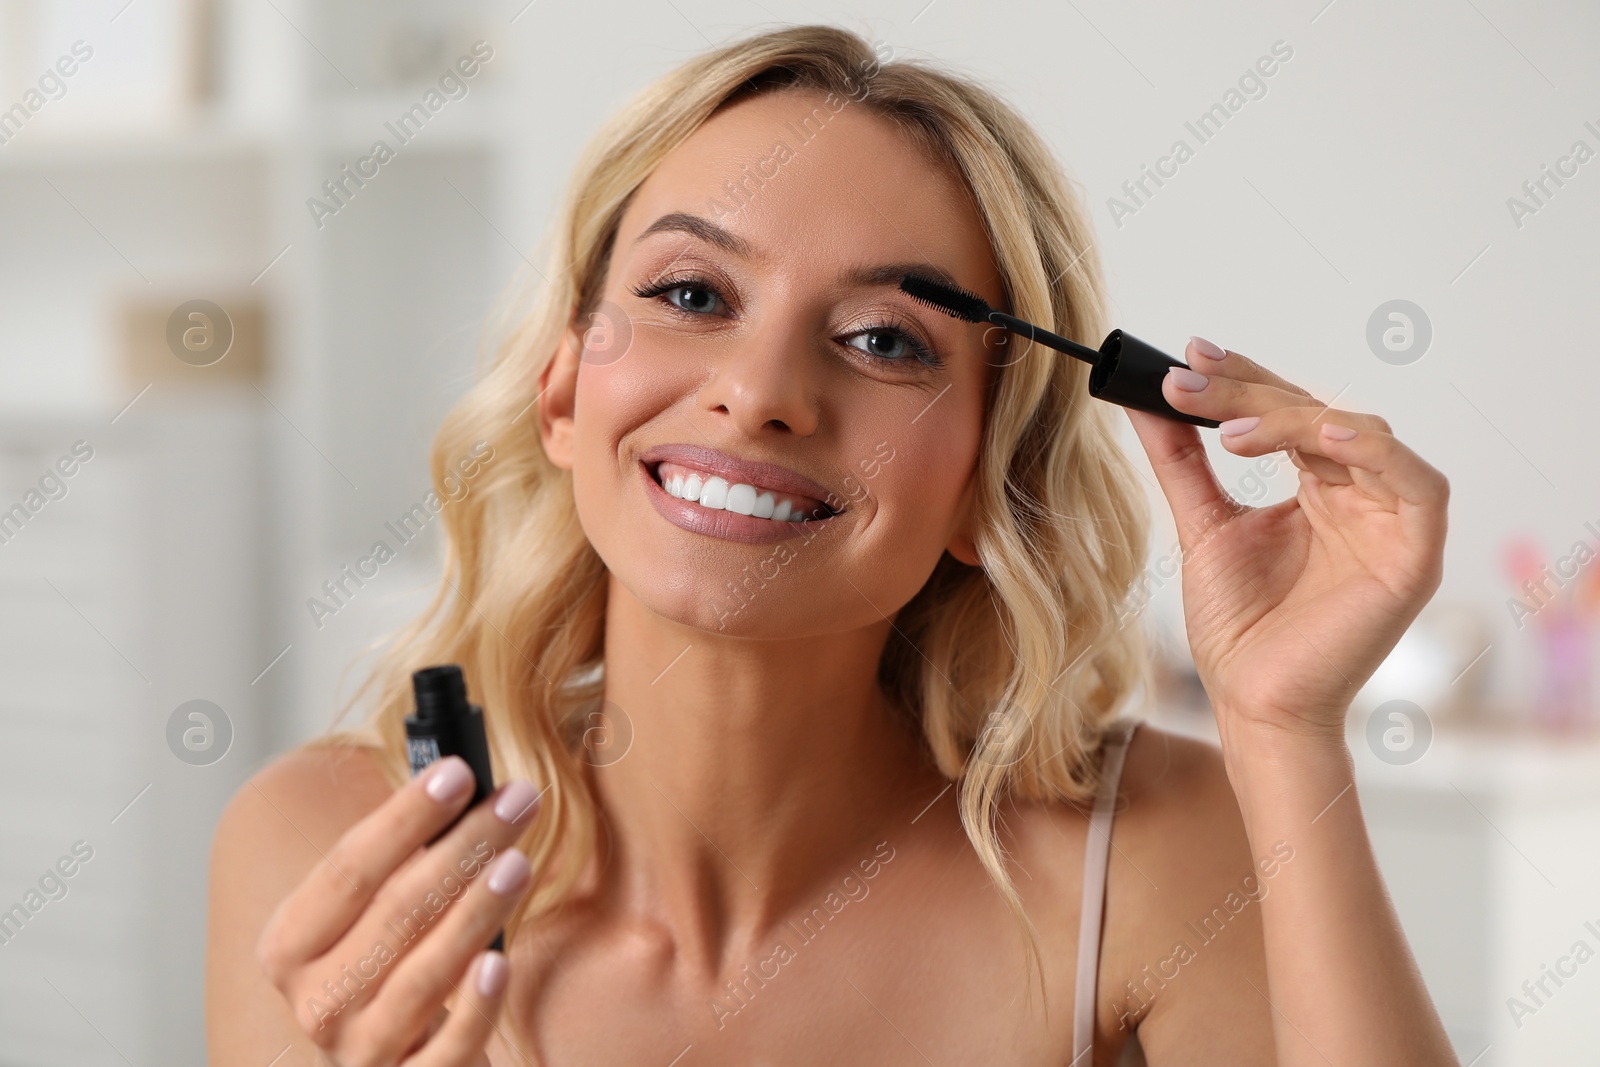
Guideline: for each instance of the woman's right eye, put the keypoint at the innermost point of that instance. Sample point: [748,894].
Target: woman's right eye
[688,295]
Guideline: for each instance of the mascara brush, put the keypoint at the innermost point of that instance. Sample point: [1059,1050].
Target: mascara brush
[1126,371]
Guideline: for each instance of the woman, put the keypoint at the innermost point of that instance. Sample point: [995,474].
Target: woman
[848,797]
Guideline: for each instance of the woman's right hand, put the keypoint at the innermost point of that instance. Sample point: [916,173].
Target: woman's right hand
[372,941]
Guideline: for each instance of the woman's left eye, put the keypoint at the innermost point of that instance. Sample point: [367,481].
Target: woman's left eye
[892,345]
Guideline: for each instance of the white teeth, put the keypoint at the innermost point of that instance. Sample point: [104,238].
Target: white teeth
[715,493]
[742,499]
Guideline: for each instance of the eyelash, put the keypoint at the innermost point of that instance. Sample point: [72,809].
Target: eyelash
[893,324]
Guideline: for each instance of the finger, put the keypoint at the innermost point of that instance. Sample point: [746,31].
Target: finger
[408,907]
[1252,435]
[1206,358]
[1217,396]
[427,974]
[1235,386]
[1400,470]
[1324,470]
[330,898]
[1293,431]
[462,1038]
[1377,461]
[1182,469]
[435,1024]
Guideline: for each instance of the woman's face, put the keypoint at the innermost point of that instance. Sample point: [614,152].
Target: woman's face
[751,315]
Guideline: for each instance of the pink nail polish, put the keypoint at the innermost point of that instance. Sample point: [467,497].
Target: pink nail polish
[516,801]
[1187,380]
[509,873]
[1337,432]
[1207,349]
[1234,427]
[492,974]
[450,779]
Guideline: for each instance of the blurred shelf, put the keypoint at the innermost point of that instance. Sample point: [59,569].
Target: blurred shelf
[204,141]
[350,123]
[1478,758]
[341,127]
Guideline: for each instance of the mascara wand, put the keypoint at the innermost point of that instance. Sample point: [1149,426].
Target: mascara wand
[1126,371]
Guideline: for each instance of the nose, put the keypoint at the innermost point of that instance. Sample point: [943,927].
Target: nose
[766,380]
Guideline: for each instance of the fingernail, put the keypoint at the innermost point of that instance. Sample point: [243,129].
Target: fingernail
[1207,349]
[509,873]
[451,778]
[1184,378]
[516,802]
[1234,427]
[492,974]
[1337,432]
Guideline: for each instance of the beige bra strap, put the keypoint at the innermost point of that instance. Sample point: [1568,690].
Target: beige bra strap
[1096,850]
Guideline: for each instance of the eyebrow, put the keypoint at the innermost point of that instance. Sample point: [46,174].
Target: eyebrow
[728,241]
[704,229]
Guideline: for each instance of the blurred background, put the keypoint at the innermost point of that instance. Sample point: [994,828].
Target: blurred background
[222,359]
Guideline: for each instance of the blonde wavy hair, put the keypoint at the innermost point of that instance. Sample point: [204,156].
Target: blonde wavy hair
[1015,668]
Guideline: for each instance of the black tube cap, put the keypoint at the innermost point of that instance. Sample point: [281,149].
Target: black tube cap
[440,691]
[1130,372]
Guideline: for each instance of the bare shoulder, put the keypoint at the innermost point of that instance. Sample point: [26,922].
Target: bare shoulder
[278,825]
[302,801]
[1172,782]
[1182,944]
[284,819]
[1175,810]
[1181,935]
[1178,839]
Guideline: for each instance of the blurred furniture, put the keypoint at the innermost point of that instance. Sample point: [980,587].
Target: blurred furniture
[1488,846]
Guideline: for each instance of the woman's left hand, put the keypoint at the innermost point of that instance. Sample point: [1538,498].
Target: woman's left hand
[1291,607]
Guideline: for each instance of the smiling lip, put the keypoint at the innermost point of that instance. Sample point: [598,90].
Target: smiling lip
[730,525]
[734,470]
[727,525]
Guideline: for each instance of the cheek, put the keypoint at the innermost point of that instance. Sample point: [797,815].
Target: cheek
[915,480]
[617,393]
[613,400]
[610,399]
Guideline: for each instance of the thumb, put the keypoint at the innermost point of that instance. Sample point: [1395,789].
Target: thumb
[1178,457]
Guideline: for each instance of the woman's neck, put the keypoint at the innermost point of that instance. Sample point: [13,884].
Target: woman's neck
[757,770]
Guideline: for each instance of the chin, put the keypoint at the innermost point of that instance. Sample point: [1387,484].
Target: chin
[722,607]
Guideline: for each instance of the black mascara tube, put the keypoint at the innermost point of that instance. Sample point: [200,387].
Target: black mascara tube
[1129,372]
[446,725]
